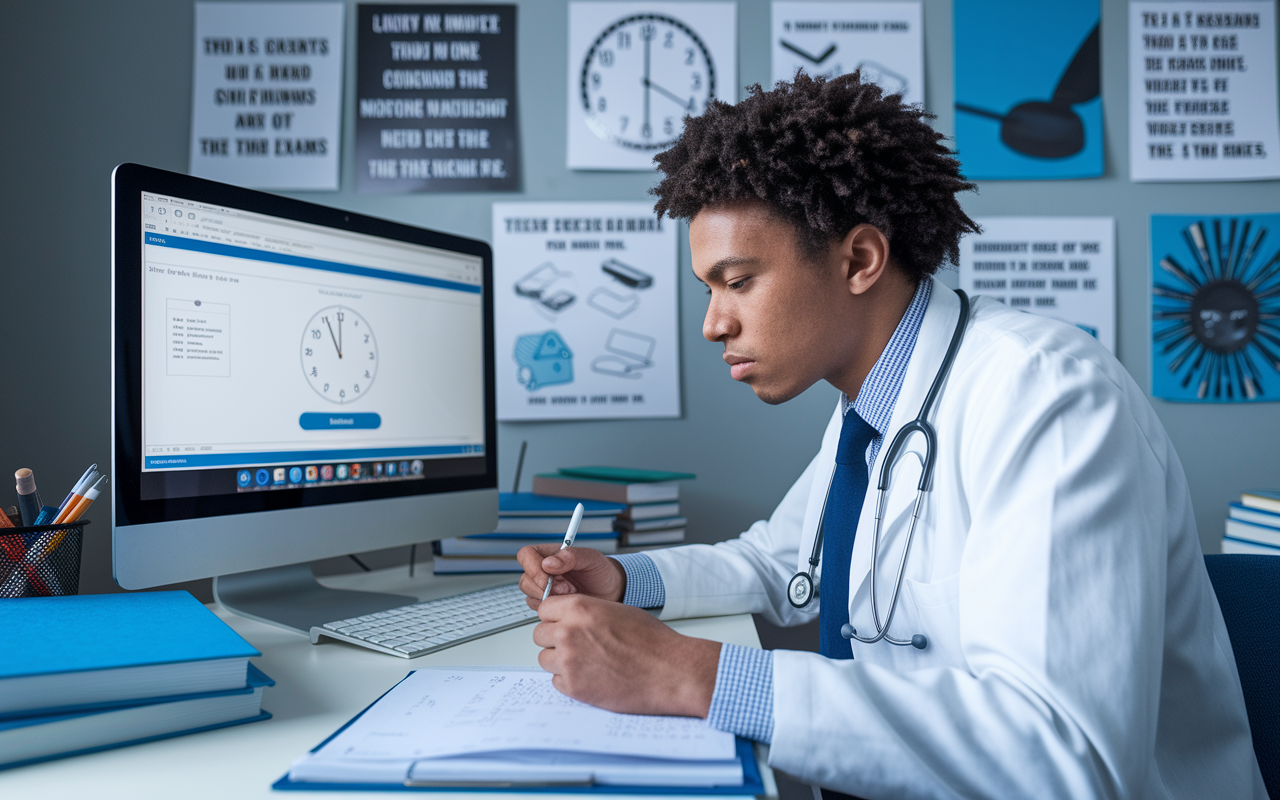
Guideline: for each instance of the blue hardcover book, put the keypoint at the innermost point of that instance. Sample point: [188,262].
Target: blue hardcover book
[527,504]
[1268,499]
[541,537]
[76,652]
[1257,516]
[34,739]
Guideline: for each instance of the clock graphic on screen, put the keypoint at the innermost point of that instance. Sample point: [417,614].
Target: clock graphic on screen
[640,78]
[339,354]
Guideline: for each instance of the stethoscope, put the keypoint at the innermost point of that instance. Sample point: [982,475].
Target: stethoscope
[800,589]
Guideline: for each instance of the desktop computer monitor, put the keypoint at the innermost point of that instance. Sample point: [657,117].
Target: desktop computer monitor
[290,382]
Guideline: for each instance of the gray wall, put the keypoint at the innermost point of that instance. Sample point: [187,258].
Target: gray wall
[87,85]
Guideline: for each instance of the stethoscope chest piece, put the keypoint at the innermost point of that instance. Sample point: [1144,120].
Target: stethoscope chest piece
[800,589]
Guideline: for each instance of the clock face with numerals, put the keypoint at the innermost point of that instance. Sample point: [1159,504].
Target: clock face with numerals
[640,78]
[339,354]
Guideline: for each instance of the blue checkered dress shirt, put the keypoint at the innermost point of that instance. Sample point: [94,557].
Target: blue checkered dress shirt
[742,702]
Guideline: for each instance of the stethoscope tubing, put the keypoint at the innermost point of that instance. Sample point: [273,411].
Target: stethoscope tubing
[800,590]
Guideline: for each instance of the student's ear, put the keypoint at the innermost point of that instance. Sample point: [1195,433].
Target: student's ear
[864,256]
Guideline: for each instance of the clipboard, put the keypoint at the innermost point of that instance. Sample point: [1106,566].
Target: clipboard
[752,781]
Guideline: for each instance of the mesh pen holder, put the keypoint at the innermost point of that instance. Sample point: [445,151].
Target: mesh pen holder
[41,560]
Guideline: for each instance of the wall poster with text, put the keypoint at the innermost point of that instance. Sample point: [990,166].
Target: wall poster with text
[266,102]
[1202,91]
[436,106]
[1061,267]
[885,41]
[585,311]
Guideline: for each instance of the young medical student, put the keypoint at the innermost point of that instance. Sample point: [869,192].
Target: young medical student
[1056,632]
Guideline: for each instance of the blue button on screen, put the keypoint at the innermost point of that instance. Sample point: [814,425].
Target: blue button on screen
[318,421]
[243,477]
[261,477]
[295,475]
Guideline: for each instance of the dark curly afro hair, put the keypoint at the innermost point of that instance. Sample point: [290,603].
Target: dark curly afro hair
[825,155]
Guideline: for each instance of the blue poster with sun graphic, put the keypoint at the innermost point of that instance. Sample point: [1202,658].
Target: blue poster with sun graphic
[1215,307]
[1028,81]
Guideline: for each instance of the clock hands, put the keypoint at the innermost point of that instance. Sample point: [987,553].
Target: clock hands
[336,346]
[341,317]
[646,130]
[672,95]
[808,56]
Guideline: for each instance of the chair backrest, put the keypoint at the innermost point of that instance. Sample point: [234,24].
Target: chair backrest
[1248,589]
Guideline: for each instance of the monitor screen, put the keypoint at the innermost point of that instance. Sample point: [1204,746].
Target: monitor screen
[281,354]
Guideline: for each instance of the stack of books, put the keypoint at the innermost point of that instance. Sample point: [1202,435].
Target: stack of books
[651,516]
[85,673]
[1253,524]
[525,519]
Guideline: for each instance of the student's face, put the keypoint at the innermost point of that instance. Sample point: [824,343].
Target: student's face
[777,314]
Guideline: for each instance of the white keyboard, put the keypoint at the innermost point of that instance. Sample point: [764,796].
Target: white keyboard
[421,628]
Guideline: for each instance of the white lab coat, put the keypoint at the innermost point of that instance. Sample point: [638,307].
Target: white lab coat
[1076,648]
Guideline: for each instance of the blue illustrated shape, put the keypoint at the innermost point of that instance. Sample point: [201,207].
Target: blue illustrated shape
[1215,308]
[1028,100]
[295,475]
[243,477]
[261,477]
[543,359]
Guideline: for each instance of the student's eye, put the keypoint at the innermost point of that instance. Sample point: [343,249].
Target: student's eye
[739,284]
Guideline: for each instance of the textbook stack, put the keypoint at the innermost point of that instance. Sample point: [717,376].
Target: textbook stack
[525,519]
[651,517]
[1253,524]
[85,673]
[645,525]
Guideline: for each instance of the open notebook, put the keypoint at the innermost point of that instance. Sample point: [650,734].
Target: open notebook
[510,728]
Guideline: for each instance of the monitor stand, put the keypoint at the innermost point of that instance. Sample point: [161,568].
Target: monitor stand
[290,597]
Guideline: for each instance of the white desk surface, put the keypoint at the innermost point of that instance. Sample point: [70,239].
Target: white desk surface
[318,688]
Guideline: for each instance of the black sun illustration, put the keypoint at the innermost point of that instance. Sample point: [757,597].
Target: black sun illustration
[1216,326]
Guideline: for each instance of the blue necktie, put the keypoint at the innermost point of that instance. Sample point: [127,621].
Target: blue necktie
[844,506]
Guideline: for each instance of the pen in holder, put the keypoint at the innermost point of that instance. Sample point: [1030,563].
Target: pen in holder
[41,560]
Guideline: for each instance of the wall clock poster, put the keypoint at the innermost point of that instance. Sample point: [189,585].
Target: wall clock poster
[1215,308]
[636,70]
[1028,100]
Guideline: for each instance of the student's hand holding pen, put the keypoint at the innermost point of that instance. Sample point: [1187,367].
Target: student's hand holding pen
[577,570]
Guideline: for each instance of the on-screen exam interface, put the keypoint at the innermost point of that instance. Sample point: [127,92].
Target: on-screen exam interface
[275,349]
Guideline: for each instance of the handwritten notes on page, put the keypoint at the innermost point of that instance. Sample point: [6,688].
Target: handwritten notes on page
[460,725]
[439,712]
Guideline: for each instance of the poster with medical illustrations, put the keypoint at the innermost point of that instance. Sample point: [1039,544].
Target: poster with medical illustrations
[585,311]
[1202,91]
[883,40]
[1061,267]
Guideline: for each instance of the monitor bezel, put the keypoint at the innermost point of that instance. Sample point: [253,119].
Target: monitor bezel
[129,181]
